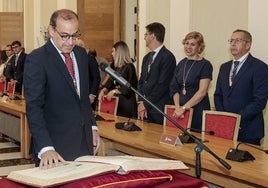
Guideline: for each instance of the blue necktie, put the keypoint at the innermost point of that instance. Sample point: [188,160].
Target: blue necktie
[236,63]
[151,60]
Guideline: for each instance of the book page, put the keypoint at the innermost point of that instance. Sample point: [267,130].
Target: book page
[130,163]
[63,173]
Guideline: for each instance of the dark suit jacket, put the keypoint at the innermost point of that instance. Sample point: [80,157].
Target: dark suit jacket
[57,115]
[18,69]
[155,84]
[8,70]
[94,75]
[247,96]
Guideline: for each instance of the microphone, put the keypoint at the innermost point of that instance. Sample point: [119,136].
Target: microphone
[122,81]
[241,155]
[187,139]
[127,126]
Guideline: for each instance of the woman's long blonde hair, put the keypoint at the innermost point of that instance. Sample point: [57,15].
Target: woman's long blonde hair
[122,55]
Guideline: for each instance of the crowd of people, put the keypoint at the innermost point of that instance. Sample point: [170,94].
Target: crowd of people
[60,96]
[12,59]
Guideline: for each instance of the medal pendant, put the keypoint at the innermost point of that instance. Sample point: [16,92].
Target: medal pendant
[184,91]
[230,83]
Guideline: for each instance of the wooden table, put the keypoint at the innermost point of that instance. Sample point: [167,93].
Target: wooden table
[17,108]
[146,143]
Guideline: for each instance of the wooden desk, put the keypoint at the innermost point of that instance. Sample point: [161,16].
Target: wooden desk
[17,108]
[146,143]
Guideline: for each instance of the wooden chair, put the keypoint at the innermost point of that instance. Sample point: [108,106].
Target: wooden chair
[184,122]
[109,107]
[11,89]
[222,124]
[2,87]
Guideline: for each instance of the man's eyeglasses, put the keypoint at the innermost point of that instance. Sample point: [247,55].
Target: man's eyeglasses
[237,41]
[147,33]
[66,36]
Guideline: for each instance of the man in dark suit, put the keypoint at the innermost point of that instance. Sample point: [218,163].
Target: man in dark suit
[243,88]
[57,104]
[94,76]
[156,74]
[8,70]
[17,62]
[94,80]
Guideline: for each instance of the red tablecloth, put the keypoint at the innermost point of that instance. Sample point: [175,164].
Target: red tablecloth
[144,179]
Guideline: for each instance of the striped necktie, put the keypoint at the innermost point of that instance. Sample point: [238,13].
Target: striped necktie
[236,63]
[151,60]
[16,59]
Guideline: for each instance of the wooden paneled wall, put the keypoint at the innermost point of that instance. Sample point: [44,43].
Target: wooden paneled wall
[11,27]
[99,24]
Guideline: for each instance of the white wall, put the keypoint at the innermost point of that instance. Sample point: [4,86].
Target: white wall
[180,25]
[37,14]
[131,19]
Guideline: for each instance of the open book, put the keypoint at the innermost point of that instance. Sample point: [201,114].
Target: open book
[87,166]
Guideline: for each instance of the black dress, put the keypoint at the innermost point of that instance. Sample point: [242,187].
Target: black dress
[197,70]
[127,105]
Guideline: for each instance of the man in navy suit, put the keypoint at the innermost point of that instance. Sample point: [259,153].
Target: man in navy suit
[57,104]
[243,89]
[156,74]
[8,73]
[17,62]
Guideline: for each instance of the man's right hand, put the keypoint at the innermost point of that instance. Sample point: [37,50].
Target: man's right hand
[50,159]
[142,112]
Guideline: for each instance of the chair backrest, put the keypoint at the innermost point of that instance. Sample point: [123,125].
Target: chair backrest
[184,122]
[222,124]
[2,87]
[11,89]
[109,107]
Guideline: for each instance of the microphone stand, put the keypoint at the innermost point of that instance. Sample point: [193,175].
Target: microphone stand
[200,146]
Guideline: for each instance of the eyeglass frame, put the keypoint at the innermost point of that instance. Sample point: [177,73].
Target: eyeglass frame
[237,41]
[147,33]
[65,37]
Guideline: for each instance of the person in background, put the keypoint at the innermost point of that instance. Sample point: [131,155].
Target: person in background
[17,62]
[3,59]
[156,74]
[56,88]
[190,83]
[242,88]
[8,73]
[104,77]
[94,76]
[127,105]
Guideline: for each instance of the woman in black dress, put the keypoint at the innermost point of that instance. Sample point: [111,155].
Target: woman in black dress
[127,105]
[190,83]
